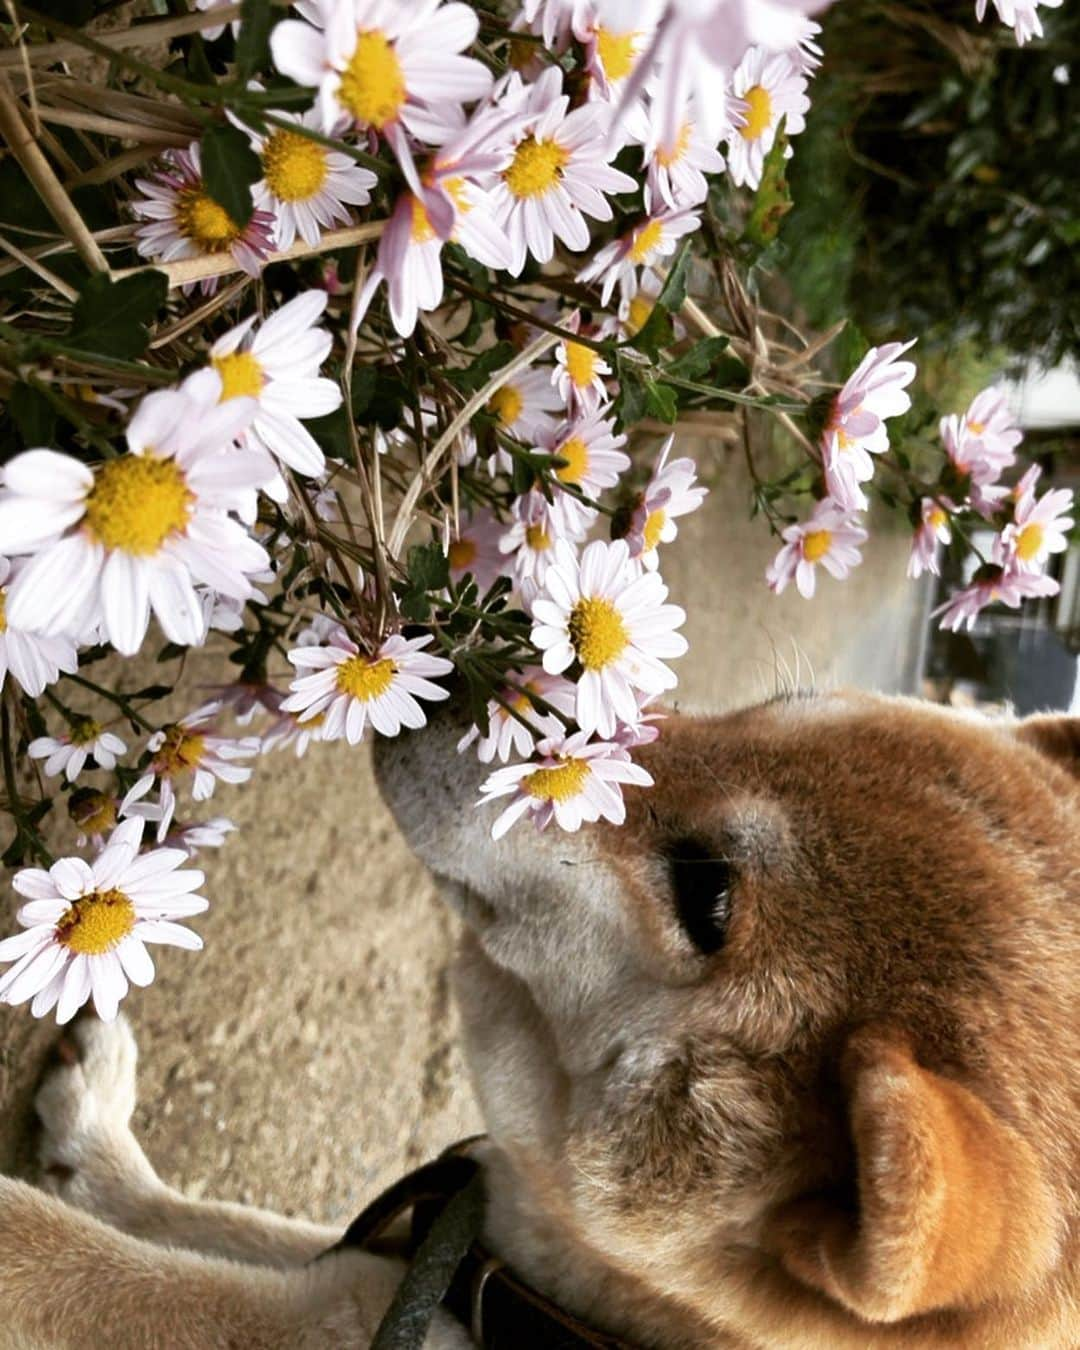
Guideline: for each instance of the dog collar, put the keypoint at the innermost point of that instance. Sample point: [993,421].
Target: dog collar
[449,1266]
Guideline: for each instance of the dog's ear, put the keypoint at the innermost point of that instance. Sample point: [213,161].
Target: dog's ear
[951,1206]
[1053,735]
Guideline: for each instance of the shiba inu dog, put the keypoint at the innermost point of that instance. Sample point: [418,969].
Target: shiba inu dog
[791,1059]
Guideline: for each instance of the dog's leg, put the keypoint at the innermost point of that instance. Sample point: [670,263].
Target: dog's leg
[91,1159]
[68,1282]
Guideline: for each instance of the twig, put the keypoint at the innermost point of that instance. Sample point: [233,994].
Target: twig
[520,362]
[40,172]
[112,126]
[222,264]
[39,269]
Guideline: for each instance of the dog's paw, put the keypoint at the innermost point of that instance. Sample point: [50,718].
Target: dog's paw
[88,1155]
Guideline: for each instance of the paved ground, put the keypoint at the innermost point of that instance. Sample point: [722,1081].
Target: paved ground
[308,1055]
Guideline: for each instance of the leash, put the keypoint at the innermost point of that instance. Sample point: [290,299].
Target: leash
[449,1266]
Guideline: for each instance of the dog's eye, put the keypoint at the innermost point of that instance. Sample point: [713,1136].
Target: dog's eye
[701,883]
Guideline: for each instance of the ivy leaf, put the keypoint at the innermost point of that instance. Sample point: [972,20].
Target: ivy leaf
[112,318]
[252,41]
[33,415]
[772,201]
[229,167]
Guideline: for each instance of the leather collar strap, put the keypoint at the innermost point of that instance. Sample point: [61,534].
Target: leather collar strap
[500,1311]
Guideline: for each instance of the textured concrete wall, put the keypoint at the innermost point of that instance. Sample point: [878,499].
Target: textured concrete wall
[308,1055]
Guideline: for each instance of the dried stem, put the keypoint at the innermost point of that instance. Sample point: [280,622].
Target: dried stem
[40,172]
[187,270]
[39,269]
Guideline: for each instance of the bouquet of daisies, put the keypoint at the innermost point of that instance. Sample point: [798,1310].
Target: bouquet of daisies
[354,338]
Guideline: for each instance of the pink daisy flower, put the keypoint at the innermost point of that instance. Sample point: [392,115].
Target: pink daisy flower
[507,735]
[768,89]
[933,530]
[475,551]
[1039,527]
[992,585]
[855,428]
[186,222]
[672,492]
[829,539]
[654,238]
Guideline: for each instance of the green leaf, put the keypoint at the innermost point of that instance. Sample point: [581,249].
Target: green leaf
[657,330]
[673,292]
[661,401]
[772,201]
[427,567]
[252,42]
[229,167]
[112,318]
[699,360]
[33,414]
[630,401]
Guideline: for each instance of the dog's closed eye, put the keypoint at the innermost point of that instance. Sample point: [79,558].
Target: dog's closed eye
[701,884]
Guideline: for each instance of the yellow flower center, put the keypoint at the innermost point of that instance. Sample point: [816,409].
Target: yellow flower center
[557,785]
[455,187]
[576,454]
[616,52]
[92,811]
[580,364]
[654,526]
[201,219]
[506,404]
[179,751]
[536,167]
[373,84]
[137,502]
[816,544]
[597,632]
[976,428]
[96,923]
[638,313]
[421,231]
[937,518]
[645,240]
[758,113]
[1030,541]
[537,538]
[461,553]
[84,732]
[363,679]
[3,609]
[295,167]
[241,375]
[666,158]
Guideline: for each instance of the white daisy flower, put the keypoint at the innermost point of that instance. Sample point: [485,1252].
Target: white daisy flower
[675,172]
[612,51]
[559,172]
[767,88]
[188,747]
[655,237]
[215,31]
[589,446]
[855,428]
[1040,526]
[212,833]
[33,660]
[1022,16]
[671,492]
[508,735]
[474,551]
[530,540]
[555,20]
[523,406]
[613,624]
[388,67]
[571,783]
[277,366]
[95,813]
[307,187]
[68,754]
[139,531]
[288,730]
[579,372]
[186,222]
[352,688]
[87,925]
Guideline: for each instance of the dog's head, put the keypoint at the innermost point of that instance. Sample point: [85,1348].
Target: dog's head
[797,1046]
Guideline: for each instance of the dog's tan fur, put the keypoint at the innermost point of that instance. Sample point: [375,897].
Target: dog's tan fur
[855,1125]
